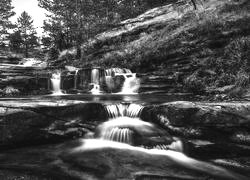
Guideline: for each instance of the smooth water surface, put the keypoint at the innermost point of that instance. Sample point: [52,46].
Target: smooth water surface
[110,98]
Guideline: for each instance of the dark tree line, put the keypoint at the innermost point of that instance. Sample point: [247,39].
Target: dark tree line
[69,23]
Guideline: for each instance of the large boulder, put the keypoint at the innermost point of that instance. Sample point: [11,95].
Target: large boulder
[33,123]
[203,120]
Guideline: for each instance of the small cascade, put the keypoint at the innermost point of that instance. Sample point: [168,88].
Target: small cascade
[75,79]
[95,81]
[114,71]
[95,89]
[122,81]
[129,110]
[131,84]
[123,135]
[56,83]
[95,76]
[122,129]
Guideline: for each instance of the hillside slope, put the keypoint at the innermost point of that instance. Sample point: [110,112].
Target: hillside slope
[203,48]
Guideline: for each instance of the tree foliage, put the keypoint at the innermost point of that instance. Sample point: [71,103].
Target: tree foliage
[5,13]
[27,31]
[72,22]
[15,41]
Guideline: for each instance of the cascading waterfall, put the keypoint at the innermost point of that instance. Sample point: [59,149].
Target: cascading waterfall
[95,81]
[131,84]
[124,121]
[122,118]
[75,79]
[129,110]
[121,129]
[95,89]
[123,135]
[56,83]
[95,76]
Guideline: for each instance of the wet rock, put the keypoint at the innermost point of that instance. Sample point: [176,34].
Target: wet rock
[25,79]
[22,125]
[114,83]
[94,159]
[200,120]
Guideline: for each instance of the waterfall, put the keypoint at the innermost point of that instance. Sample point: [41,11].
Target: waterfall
[56,83]
[129,110]
[95,89]
[95,76]
[123,135]
[131,84]
[121,129]
[75,79]
[95,81]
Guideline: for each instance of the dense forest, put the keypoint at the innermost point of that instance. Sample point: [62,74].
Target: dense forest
[68,23]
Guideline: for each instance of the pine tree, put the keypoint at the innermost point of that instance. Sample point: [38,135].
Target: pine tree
[5,13]
[15,41]
[27,31]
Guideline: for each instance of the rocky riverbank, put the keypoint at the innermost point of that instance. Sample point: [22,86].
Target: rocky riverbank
[214,132]
[25,122]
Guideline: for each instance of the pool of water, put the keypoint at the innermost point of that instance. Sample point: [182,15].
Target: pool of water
[109,98]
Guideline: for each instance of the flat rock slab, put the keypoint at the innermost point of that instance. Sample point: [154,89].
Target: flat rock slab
[37,122]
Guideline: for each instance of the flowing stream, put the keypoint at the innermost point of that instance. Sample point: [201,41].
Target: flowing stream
[119,137]
[122,146]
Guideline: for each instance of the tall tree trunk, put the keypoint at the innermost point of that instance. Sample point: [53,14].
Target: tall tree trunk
[78,40]
[26,50]
[194,4]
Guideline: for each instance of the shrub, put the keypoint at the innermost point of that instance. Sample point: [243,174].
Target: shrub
[242,79]
[194,84]
[225,79]
[10,91]
[238,54]
[52,54]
